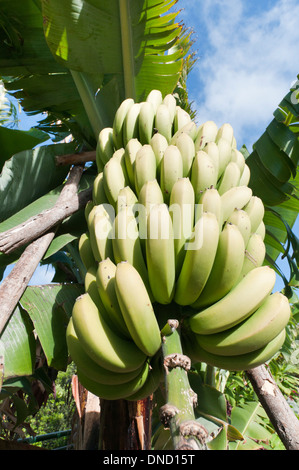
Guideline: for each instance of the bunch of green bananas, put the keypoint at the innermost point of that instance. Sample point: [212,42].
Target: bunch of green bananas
[172,225]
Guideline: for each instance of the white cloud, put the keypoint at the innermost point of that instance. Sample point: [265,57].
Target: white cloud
[248,59]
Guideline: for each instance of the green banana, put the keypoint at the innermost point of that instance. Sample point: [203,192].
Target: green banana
[171,170]
[181,118]
[255,254]
[85,251]
[238,158]
[92,369]
[127,244]
[154,379]
[102,228]
[100,342]
[245,176]
[155,98]
[118,122]
[253,333]
[146,122]
[256,211]
[110,392]
[242,361]
[226,268]
[115,176]
[98,190]
[88,208]
[234,143]
[170,102]
[241,219]
[91,232]
[126,198]
[104,148]
[211,148]
[163,122]
[137,308]
[203,173]
[181,209]
[190,129]
[91,287]
[225,132]
[210,201]
[246,297]
[234,198]
[261,230]
[145,167]
[230,178]
[160,256]
[149,195]
[105,282]
[207,132]
[199,259]
[131,125]
[225,151]
[186,146]
[159,145]
[131,150]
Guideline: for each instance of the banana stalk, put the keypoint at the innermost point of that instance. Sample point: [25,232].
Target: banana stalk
[178,412]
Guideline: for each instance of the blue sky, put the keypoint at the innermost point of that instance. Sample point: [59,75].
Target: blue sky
[247,61]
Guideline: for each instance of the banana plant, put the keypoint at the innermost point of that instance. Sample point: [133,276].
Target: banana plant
[75,61]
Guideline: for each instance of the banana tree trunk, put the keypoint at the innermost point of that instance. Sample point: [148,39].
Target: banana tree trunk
[125,425]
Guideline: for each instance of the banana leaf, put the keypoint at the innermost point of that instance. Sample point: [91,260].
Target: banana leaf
[275,179]
[78,59]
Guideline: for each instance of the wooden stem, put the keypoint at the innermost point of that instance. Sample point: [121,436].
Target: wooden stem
[278,410]
[75,158]
[68,203]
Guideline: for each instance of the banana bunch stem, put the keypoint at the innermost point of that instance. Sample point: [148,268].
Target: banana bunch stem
[178,412]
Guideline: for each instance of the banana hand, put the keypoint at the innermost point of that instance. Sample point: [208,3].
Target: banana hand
[254,333]
[100,342]
[242,361]
[244,299]
[111,392]
[90,368]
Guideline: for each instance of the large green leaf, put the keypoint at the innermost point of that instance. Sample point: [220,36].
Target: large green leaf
[125,38]
[31,73]
[275,179]
[28,175]
[50,307]
[88,58]
[18,345]
[250,420]
[14,141]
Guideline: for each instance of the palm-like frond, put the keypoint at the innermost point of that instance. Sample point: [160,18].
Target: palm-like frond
[275,179]
[70,58]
